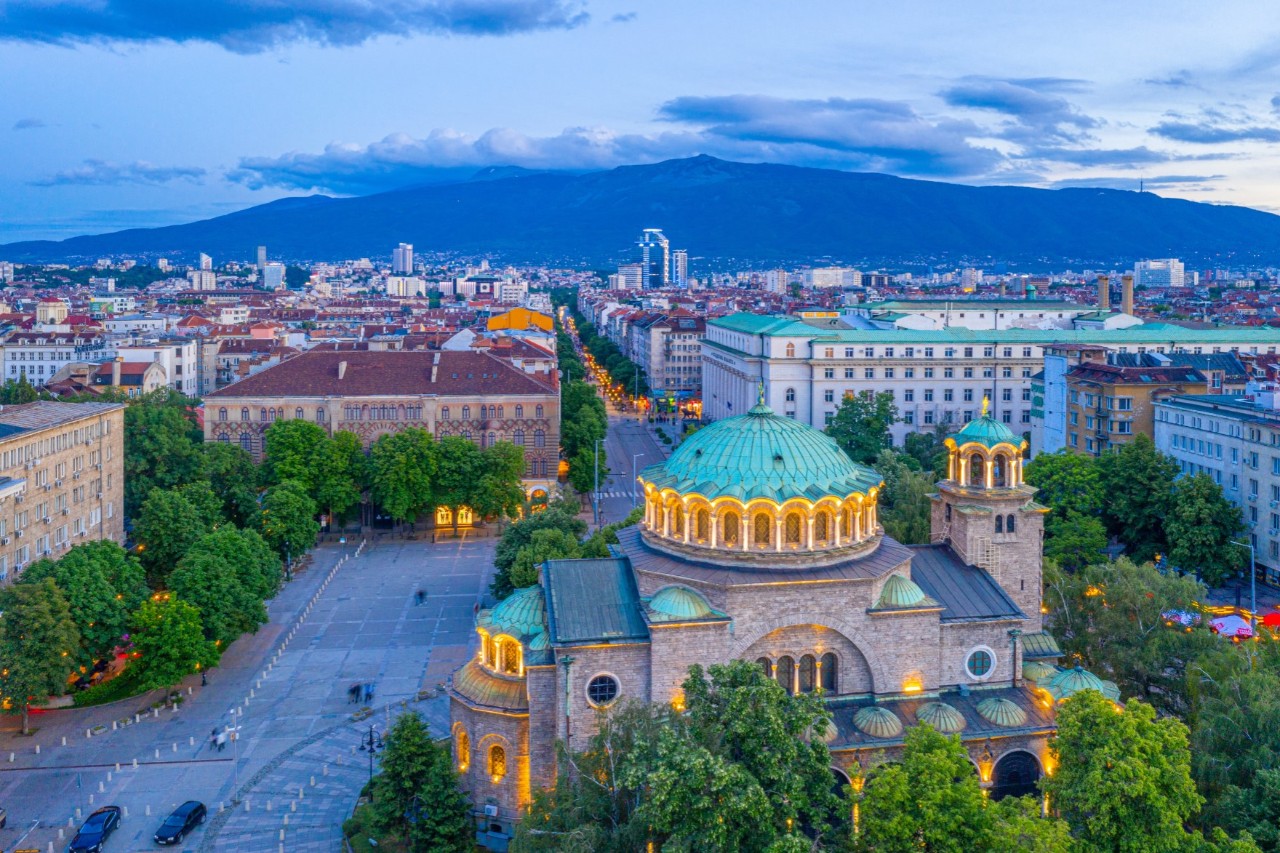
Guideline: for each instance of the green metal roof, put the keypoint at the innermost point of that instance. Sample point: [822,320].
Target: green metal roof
[878,722]
[901,592]
[481,687]
[910,305]
[1038,670]
[1040,645]
[593,601]
[1072,681]
[754,324]
[988,432]
[941,716]
[761,455]
[520,614]
[1002,712]
[677,603]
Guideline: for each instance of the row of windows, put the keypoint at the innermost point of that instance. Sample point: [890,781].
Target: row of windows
[910,352]
[947,416]
[375,413]
[909,395]
[804,675]
[929,373]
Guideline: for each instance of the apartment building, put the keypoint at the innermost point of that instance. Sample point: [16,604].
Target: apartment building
[39,355]
[935,376]
[1108,404]
[61,479]
[180,358]
[668,346]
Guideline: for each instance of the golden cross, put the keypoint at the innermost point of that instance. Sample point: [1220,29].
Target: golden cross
[986,404]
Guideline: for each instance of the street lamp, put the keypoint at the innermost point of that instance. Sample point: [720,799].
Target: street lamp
[1253,586]
[597,490]
[634,476]
[233,732]
[372,744]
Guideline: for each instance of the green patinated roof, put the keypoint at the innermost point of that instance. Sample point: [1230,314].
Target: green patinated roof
[974,305]
[942,717]
[1071,681]
[1002,712]
[480,687]
[520,614]
[1038,671]
[675,603]
[1040,644]
[878,722]
[988,432]
[761,455]
[901,592]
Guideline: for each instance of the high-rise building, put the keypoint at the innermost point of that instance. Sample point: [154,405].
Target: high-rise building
[680,268]
[632,276]
[1166,272]
[402,259]
[273,276]
[655,257]
[262,258]
[206,262]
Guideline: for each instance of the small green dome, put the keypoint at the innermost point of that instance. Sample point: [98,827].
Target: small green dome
[878,722]
[1002,712]
[1072,681]
[1038,671]
[988,432]
[540,642]
[521,613]
[761,455]
[674,603]
[900,591]
[941,716]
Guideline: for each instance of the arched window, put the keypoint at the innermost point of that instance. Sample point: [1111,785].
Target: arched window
[244,414]
[487,651]
[519,411]
[539,438]
[793,528]
[762,530]
[493,439]
[224,438]
[463,749]
[517,437]
[222,413]
[729,528]
[538,411]
[297,413]
[791,350]
[444,413]
[466,413]
[677,520]
[999,524]
[319,414]
[791,395]
[766,665]
[830,673]
[808,673]
[364,413]
[785,673]
[998,471]
[977,476]
[846,522]
[466,433]
[497,763]
[702,525]
[508,656]
[262,415]
[1010,524]
[400,412]
[272,413]
[822,526]
[246,441]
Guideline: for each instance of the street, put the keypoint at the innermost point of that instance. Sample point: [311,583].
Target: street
[630,446]
[294,774]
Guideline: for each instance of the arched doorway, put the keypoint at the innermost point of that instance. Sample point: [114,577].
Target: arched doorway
[1015,775]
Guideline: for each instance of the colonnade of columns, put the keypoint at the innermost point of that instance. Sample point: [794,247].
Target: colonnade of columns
[975,465]
[763,527]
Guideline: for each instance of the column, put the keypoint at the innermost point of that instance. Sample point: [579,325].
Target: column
[809,526]
[777,532]
[666,522]
[688,519]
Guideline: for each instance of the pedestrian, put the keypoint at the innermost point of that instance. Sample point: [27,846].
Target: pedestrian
[421,595]
[222,741]
[368,693]
[204,682]
[353,693]
[213,738]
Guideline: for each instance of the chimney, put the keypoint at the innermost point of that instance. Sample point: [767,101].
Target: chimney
[1104,293]
[1004,289]
[115,370]
[342,369]
[1126,294]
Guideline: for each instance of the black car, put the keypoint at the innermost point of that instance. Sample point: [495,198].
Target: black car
[95,830]
[185,818]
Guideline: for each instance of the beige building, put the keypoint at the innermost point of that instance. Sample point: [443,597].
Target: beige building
[61,479]
[372,393]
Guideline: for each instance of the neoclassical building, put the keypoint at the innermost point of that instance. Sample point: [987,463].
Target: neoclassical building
[760,542]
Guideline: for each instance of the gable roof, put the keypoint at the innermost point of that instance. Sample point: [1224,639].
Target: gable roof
[967,593]
[593,601]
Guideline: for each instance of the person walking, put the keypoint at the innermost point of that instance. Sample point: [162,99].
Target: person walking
[222,740]
[421,595]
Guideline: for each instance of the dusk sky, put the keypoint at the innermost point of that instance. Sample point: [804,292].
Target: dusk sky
[127,113]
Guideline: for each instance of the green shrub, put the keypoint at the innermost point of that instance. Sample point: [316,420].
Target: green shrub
[122,686]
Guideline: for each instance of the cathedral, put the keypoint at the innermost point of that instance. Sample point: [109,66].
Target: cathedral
[760,542]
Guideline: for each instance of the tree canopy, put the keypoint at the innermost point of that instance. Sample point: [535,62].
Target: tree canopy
[416,794]
[38,639]
[169,641]
[861,425]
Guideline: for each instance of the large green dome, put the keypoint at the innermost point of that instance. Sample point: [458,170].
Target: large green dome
[761,455]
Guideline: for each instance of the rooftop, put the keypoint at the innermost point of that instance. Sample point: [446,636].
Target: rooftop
[45,415]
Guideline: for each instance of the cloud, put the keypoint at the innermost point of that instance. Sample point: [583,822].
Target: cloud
[28,124]
[1209,133]
[624,17]
[1036,112]
[252,26]
[1132,157]
[102,173]
[1180,79]
[1132,182]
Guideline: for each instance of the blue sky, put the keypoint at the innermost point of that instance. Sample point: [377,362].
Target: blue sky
[128,113]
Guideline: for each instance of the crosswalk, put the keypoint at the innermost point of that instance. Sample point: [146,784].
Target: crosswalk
[615,494]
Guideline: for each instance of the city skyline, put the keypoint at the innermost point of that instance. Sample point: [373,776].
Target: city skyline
[117,120]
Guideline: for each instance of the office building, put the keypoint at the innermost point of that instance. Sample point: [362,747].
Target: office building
[1167,272]
[202,279]
[825,277]
[630,277]
[655,258]
[680,268]
[402,259]
[204,262]
[262,258]
[273,276]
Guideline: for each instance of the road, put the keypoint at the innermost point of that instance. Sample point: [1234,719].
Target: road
[630,446]
[296,768]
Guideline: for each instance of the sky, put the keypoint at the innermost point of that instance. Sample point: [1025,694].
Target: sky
[135,113]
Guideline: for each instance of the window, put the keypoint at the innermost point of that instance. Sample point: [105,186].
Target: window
[830,673]
[466,413]
[928,373]
[947,395]
[1010,524]
[762,537]
[793,528]
[222,414]
[928,395]
[539,438]
[828,373]
[829,396]
[785,672]
[808,672]
[462,746]
[297,413]
[968,395]
[791,350]
[246,441]
[908,396]
[519,411]
[517,437]
[730,524]
[791,395]
[602,690]
[999,524]
[244,414]
[980,663]
[497,763]
[444,413]
[766,665]
[702,524]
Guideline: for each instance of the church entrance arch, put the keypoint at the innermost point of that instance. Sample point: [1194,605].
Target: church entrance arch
[804,658]
[1015,775]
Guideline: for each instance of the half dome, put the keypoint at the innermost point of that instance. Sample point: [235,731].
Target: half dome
[1038,671]
[941,716]
[761,455]
[900,591]
[1002,712]
[674,603]
[521,613]
[1072,681]
[878,722]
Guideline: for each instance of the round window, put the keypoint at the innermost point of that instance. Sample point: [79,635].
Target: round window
[980,663]
[602,690]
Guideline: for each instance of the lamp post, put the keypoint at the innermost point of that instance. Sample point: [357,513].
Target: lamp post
[634,477]
[233,732]
[1253,586]
[371,743]
[1014,634]
[597,489]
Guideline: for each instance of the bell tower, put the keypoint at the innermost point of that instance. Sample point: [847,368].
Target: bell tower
[985,512]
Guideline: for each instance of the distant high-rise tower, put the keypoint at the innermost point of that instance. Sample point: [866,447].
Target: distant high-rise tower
[206,262]
[1167,272]
[655,257]
[262,258]
[680,268]
[402,259]
[273,276]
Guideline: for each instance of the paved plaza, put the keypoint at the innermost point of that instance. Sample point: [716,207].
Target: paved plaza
[296,767]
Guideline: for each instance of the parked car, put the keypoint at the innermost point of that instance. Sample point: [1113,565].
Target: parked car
[4,818]
[95,831]
[185,818]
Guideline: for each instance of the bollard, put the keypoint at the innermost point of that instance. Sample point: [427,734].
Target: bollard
[101,788]
[137,718]
[173,709]
[147,811]
[155,712]
[61,834]
[50,847]
[286,823]
[91,799]
[191,741]
[175,747]
[221,806]
[190,691]
[324,770]
[78,814]
[109,773]
[282,839]
[252,694]
[268,805]
[313,781]
[300,793]
[113,725]
[246,804]
[64,738]
[71,821]
[11,758]
[135,764]
[37,749]
[157,752]
[293,807]
[124,811]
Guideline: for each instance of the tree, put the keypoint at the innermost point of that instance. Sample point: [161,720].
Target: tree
[1235,718]
[1200,527]
[1074,540]
[403,469]
[549,544]
[861,425]
[930,800]
[1017,827]
[416,795]
[905,507]
[246,555]
[499,491]
[103,584]
[37,639]
[170,643]
[1123,780]
[341,470]
[583,471]
[558,516]
[233,477]
[288,520]
[1255,809]
[227,608]
[597,546]
[928,450]
[1068,482]
[19,391]
[1138,482]
[168,525]
[459,471]
[162,447]
[291,450]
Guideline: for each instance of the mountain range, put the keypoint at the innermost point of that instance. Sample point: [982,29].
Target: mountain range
[746,213]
